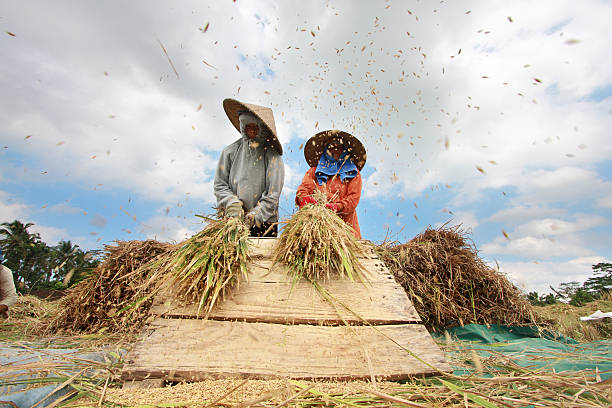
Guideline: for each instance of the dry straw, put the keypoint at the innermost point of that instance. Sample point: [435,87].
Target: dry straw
[204,267]
[316,244]
[449,284]
[111,298]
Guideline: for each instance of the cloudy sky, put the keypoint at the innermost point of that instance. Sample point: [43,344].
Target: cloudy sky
[490,114]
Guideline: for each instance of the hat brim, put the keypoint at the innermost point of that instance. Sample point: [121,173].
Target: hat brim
[316,144]
[232,109]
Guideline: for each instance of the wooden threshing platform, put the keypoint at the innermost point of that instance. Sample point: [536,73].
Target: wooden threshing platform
[266,330]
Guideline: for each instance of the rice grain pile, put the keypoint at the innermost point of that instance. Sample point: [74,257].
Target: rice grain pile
[112,298]
[317,244]
[450,285]
[204,267]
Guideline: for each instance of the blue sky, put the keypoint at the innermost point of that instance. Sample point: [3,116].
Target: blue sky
[491,115]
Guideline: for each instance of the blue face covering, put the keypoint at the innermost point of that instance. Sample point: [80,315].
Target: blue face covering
[329,167]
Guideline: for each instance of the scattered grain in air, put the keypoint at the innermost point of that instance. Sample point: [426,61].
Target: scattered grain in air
[415,205]
[267,92]
[312,33]
[446,143]
[493,162]
[570,155]
[59,143]
[480,169]
[301,146]
[93,157]
[199,108]
[44,206]
[105,73]
[572,41]
[11,34]
[415,217]
[582,146]
[510,19]
[538,80]
[111,116]
[506,235]
[27,137]
[237,67]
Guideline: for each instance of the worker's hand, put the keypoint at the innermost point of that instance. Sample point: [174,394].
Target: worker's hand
[335,207]
[251,221]
[307,200]
[234,210]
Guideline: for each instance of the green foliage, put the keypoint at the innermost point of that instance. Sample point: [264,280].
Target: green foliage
[541,300]
[36,265]
[593,288]
[581,297]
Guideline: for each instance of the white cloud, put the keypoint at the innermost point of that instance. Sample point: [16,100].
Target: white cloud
[63,208]
[171,229]
[605,202]
[547,238]
[539,276]
[11,210]
[521,213]
[50,235]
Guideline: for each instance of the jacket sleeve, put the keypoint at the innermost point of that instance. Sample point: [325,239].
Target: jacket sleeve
[267,207]
[223,192]
[307,187]
[353,194]
[8,295]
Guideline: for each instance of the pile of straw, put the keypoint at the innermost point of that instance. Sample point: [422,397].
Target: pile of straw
[316,244]
[450,285]
[112,298]
[204,267]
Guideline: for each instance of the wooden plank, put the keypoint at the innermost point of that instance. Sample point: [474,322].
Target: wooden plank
[263,247]
[379,303]
[192,350]
[268,296]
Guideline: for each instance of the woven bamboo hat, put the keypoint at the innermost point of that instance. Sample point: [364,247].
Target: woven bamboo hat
[233,107]
[316,144]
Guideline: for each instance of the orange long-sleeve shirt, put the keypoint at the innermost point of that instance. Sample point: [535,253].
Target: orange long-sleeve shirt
[347,194]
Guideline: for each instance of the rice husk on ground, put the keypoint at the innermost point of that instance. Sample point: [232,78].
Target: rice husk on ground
[450,285]
[108,299]
[317,244]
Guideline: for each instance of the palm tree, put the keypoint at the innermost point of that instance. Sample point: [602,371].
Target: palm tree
[21,249]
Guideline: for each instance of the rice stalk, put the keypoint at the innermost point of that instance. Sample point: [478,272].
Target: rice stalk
[316,244]
[203,268]
[449,284]
[100,302]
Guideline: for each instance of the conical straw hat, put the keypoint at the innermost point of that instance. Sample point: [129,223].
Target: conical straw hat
[233,107]
[316,144]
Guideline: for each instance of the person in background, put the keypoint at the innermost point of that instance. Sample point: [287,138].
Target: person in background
[250,173]
[335,159]
[8,294]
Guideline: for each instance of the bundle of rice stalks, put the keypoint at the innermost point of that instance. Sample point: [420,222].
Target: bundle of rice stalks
[449,284]
[112,298]
[205,267]
[317,244]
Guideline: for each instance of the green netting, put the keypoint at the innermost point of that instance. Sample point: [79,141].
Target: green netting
[533,350]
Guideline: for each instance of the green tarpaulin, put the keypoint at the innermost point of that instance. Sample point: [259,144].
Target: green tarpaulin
[530,349]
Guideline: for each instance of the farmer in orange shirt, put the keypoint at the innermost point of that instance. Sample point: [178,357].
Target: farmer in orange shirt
[335,159]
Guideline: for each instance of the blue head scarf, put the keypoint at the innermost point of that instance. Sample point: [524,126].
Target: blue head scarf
[329,167]
[1,256]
